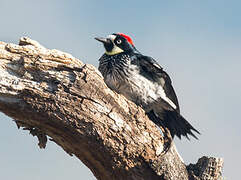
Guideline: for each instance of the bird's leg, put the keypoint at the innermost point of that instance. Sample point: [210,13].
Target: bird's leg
[167,139]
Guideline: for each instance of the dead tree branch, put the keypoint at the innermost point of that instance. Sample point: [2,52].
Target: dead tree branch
[51,93]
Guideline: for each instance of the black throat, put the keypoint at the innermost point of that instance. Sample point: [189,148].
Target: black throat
[109,46]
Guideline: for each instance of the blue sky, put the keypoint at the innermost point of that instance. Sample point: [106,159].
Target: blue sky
[197,42]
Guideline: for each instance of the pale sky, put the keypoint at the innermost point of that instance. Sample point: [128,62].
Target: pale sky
[197,42]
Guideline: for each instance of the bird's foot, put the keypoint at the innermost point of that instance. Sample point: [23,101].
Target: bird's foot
[167,139]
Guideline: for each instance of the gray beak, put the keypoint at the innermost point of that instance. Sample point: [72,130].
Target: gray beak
[108,44]
[103,40]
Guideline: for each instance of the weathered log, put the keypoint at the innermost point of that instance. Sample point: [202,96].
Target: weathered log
[52,94]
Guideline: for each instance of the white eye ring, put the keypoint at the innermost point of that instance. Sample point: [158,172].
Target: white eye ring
[118,41]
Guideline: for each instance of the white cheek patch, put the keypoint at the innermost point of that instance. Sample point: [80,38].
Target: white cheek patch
[116,49]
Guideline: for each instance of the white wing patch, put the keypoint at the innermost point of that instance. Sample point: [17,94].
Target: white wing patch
[169,101]
[163,96]
[150,91]
[139,89]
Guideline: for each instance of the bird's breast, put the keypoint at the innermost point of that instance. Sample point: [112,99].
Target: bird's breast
[141,90]
[125,78]
[135,87]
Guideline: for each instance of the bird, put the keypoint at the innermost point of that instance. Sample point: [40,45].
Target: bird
[143,81]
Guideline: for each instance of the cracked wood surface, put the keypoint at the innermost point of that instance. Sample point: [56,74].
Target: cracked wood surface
[51,93]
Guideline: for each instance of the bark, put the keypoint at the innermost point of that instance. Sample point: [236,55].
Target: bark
[57,97]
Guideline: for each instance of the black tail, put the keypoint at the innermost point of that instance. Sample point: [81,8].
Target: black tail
[176,124]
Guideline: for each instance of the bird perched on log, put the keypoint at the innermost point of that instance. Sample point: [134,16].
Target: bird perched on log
[142,80]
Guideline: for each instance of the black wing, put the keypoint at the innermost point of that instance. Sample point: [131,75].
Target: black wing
[154,72]
[171,117]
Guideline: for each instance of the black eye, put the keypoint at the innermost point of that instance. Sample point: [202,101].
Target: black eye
[118,41]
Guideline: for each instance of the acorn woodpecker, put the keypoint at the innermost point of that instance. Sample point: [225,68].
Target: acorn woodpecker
[142,80]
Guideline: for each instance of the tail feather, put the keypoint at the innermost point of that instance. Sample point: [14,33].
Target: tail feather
[176,124]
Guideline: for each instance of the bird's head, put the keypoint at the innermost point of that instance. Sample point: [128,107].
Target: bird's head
[117,43]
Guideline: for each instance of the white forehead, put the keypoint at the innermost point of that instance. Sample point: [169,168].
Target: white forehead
[112,37]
